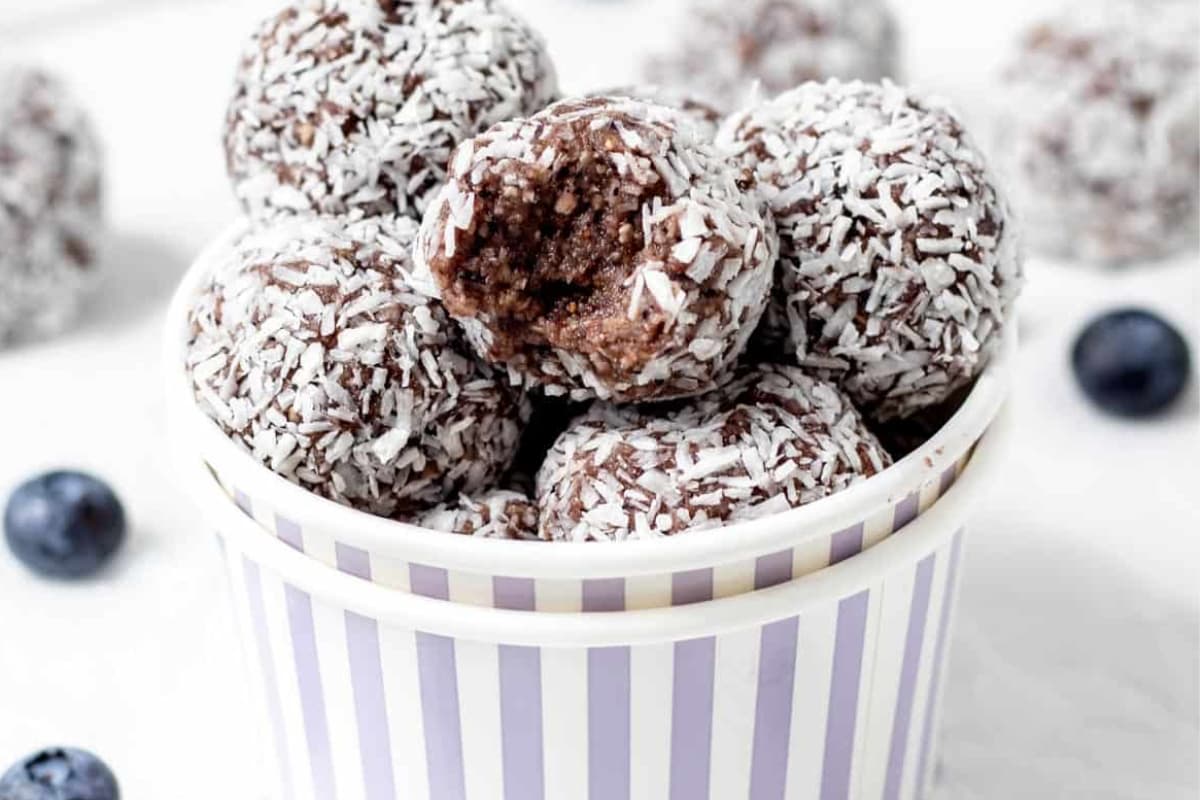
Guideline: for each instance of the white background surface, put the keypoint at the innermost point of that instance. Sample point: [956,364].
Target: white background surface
[1075,661]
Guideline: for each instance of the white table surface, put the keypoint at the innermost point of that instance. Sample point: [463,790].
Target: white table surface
[1075,659]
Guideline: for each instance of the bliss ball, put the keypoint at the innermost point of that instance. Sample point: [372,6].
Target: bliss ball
[899,264]
[50,214]
[310,349]
[599,249]
[771,440]
[498,514]
[726,48]
[1099,131]
[356,106]
[706,117]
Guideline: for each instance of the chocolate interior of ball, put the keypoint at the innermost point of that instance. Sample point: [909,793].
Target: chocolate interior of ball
[547,255]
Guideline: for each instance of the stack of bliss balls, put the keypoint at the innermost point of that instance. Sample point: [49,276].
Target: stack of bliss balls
[463,302]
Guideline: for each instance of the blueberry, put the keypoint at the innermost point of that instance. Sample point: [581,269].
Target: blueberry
[1131,363]
[59,773]
[64,524]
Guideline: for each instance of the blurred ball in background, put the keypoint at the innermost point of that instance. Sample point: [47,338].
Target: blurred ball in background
[50,204]
[1099,130]
[723,47]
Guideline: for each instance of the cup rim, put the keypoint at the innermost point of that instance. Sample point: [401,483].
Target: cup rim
[565,560]
[388,606]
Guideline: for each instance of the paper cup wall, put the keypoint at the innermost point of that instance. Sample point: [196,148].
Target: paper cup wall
[822,688]
[570,577]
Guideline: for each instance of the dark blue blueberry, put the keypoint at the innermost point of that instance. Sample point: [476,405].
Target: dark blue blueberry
[64,524]
[1131,363]
[59,773]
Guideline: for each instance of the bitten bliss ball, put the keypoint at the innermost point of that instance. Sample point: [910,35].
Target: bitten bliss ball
[310,349]
[50,214]
[725,47]
[599,249]
[356,105]
[1099,130]
[771,440]
[899,264]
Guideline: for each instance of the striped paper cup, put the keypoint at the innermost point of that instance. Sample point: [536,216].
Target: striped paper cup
[574,576]
[821,688]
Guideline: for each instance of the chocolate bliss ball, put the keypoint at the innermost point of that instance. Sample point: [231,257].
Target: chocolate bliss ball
[600,249]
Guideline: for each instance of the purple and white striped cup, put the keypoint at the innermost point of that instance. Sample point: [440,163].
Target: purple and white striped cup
[824,687]
[569,576]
